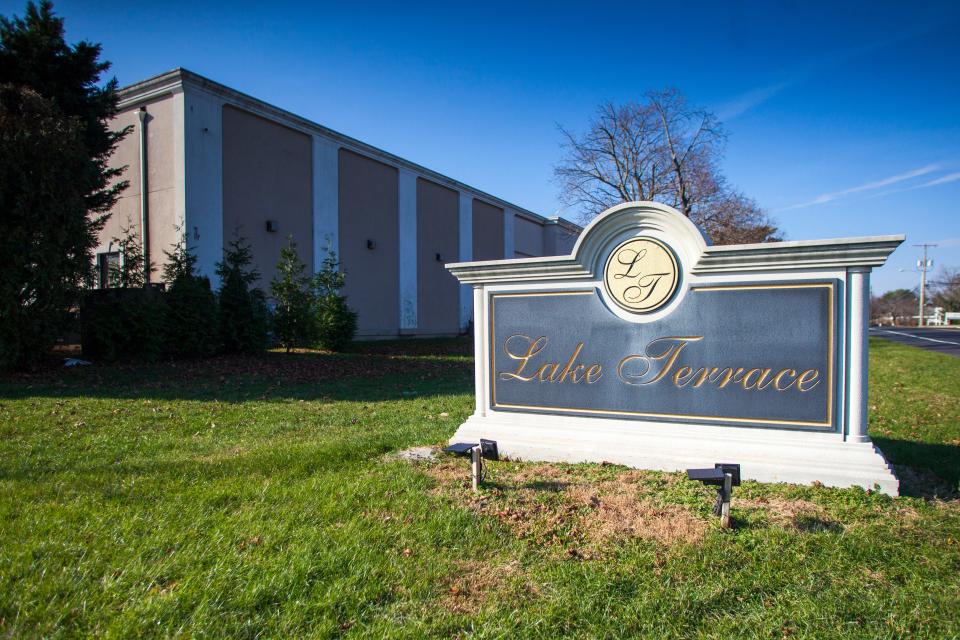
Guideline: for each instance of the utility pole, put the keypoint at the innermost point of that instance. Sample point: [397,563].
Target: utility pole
[923,265]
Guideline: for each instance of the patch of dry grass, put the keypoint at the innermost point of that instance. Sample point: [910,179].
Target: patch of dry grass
[222,455]
[801,515]
[568,510]
[476,583]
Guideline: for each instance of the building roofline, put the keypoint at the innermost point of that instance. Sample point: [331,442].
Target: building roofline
[173,82]
[566,224]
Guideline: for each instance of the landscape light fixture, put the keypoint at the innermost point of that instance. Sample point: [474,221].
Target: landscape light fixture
[477,452]
[488,449]
[724,476]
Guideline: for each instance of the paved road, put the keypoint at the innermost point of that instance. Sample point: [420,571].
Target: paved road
[929,338]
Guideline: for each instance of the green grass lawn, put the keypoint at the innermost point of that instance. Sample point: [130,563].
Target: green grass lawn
[249,498]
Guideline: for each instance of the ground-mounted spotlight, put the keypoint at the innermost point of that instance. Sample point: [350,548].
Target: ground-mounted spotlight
[477,452]
[460,448]
[724,476]
[488,449]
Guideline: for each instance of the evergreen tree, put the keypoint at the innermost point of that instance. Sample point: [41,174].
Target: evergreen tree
[335,322]
[242,307]
[43,227]
[55,186]
[293,316]
[33,53]
[190,322]
[129,272]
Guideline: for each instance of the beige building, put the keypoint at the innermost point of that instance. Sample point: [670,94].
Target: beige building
[213,162]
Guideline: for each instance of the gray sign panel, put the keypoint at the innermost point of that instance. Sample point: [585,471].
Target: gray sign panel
[751,354]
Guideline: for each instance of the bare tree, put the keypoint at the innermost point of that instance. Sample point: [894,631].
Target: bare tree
[946,289]
[692,139]
[615,161]
[659,149]
[897,307]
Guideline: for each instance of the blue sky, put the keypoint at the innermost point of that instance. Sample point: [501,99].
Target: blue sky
[842,117]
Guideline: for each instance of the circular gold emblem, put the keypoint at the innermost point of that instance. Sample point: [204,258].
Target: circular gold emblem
[641,275]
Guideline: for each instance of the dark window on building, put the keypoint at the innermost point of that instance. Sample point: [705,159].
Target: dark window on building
[108,264]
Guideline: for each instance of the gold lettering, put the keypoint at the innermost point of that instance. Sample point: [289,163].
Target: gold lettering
[683,372]
[627,377]
[763,373]
[761,385]
[659,361]
[704,375]
[671,353]
[810,375]
[785,372]
[728,375]
[534,347]
[674,345]
[552,368]
[745,382]
[594,373]
[571,361]
[549,371]
[577,371]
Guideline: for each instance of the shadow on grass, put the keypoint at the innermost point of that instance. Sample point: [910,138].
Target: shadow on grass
[548,486]
[370,373]
[817,524]
[306,459]
[925,470]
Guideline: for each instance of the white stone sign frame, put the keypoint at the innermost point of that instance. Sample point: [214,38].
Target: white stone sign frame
[844,457]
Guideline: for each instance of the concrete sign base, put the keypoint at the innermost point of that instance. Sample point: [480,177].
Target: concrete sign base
[768,455]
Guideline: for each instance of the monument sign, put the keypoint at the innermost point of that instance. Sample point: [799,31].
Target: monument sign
[649,348]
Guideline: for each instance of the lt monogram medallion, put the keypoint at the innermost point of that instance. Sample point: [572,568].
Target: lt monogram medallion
[641,275]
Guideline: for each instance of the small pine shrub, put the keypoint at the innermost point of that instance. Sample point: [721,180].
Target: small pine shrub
[336,323]
[190,323]
[130,271]
[242,309]
[293,324]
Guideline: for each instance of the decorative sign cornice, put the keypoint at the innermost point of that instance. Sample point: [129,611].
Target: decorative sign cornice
[869,251]
[839,253]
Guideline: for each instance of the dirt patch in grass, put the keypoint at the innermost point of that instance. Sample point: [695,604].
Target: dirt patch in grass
[616,514]
[801,515]
[476,583]
[579,515]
